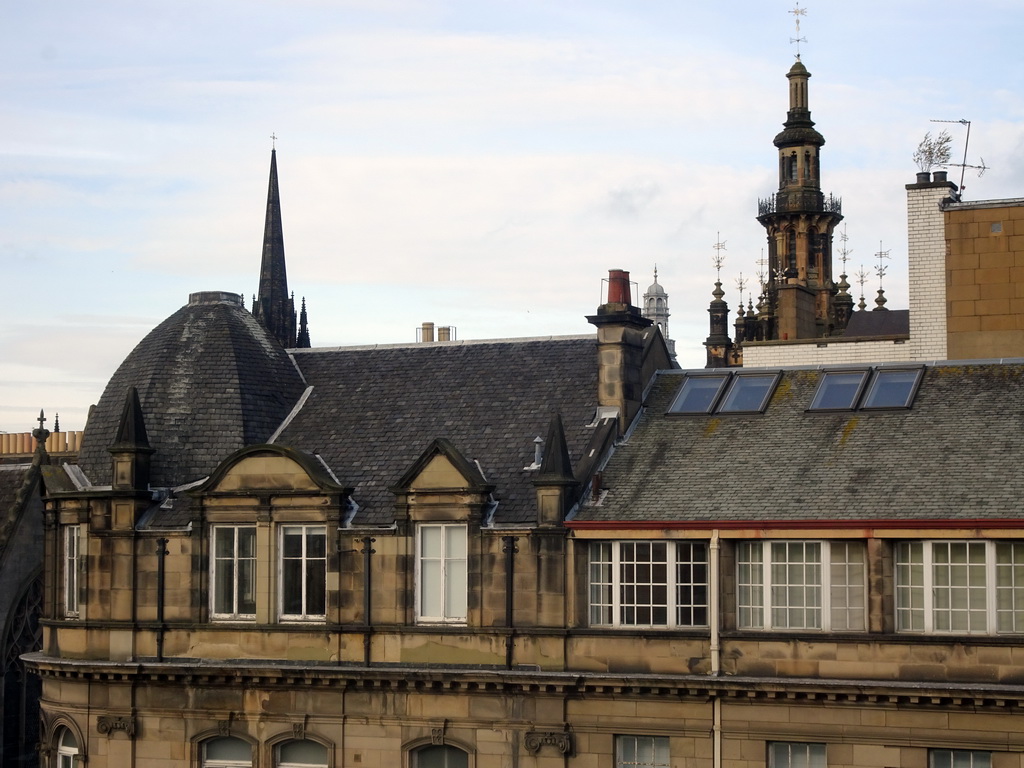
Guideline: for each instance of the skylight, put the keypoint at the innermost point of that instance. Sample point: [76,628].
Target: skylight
[846,390]
[744,393]
[699,393]
[748,393]
[892,388]
[839,390]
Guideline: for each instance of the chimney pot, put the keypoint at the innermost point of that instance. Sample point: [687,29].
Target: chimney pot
[939,176]
[618,287]
[427,332]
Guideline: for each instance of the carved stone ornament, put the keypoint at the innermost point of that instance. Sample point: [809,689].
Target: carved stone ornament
[105,724]
[224,727]
[437,735]
[299,730]
[560,740]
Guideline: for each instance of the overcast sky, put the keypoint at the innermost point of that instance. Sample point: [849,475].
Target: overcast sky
[478,164]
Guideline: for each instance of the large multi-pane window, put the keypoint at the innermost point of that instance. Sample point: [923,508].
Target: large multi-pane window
[233,572]
[442,579]
[649,583]
[959,758]
[787,754]
[645,751]
[71,564]
[303,586]
[962,587]
[819,585]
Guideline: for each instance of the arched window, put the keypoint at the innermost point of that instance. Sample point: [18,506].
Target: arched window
[67,748]
[227,752]
[301,754]
[440,756]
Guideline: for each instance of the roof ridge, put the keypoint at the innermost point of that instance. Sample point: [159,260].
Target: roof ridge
[454,343]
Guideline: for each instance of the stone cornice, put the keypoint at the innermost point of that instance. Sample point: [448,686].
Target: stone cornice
[406,679]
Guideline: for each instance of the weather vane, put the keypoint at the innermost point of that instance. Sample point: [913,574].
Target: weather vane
[797,13]
[273,140]
[862,277]
[741,286]
[844,252]
[881,269]
[719,258]
[762,271]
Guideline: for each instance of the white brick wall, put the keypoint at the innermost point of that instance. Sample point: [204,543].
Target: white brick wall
[926,254]
[826,352]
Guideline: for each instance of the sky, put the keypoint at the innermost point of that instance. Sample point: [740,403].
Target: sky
[480,164]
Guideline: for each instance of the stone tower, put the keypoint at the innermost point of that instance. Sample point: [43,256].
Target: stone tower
[799,220]
[274,307]
[656,310]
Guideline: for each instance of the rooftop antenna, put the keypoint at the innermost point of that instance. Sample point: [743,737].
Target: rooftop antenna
[797,13]
[762,271]
[964,166]
[844,252]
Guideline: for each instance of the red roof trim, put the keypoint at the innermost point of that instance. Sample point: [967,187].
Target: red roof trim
[662,525]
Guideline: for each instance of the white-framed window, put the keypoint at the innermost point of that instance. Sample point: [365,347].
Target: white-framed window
[787,754]
[227,752]
[301,753]
[233,572]
[67,749]
[303,582]
[959,758]
[960,587]
[71,566]
[440,756]
[649,583]
[646,751]
[442,576]
[819,585]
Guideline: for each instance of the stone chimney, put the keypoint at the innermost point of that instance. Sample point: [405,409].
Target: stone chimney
[621,338]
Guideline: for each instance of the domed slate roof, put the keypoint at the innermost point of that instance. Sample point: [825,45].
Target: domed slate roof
[211,380]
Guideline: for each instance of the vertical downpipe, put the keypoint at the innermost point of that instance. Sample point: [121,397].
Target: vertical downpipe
[367,551]
[161,553]
[715,582]
[510,549]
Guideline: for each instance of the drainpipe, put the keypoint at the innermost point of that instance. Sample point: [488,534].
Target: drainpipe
[714,598]
[510,549]
[367,550]
[161,553]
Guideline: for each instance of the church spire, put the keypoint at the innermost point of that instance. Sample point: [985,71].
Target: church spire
[274,308]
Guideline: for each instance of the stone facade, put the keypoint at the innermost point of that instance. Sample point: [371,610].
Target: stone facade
[985,278]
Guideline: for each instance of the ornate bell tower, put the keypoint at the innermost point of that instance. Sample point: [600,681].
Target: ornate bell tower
[799,220]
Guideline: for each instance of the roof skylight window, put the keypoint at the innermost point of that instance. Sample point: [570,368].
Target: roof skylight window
[749,393]
[892,388]
[699,393]
[839,390]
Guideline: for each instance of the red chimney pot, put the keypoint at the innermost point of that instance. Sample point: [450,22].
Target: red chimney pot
[618,287]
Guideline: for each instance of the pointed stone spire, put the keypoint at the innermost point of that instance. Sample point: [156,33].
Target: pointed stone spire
[131,452]
[302,338]
[555,483]
[274,308]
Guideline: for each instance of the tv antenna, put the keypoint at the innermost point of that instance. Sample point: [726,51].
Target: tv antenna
[964,166]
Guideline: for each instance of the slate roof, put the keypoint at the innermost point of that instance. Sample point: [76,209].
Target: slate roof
[11,478]
[892,322]
[373,411]
[954,454]
[211,380]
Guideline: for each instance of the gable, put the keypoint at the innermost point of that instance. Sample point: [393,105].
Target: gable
[439,473]
[265,471]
